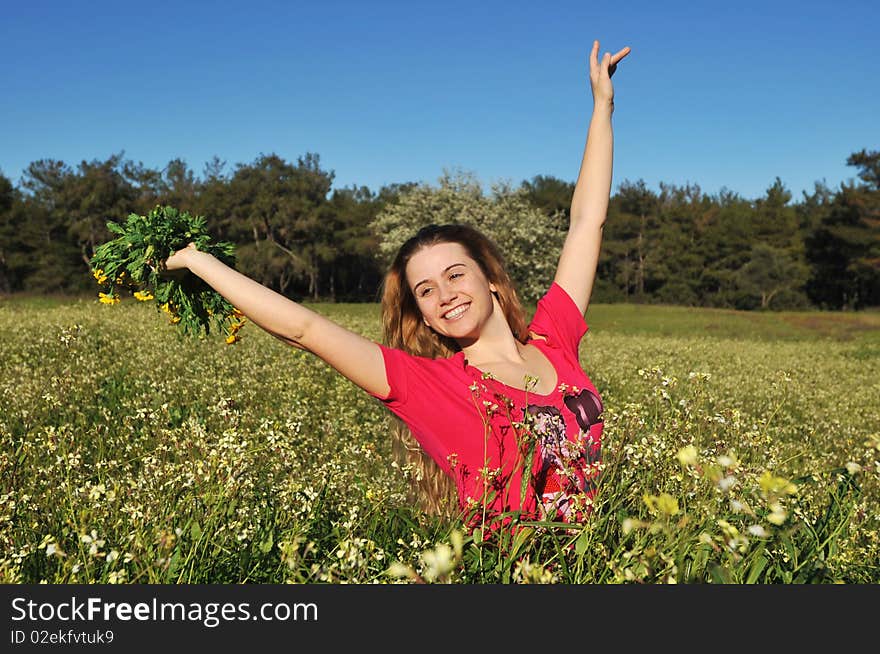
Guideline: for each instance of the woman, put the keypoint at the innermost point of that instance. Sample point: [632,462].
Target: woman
[486,396]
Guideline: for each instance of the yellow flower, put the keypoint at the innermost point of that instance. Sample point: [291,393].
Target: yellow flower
[629,524]
[687,456]
[167,308]
[458,542]
[729,530]
[398,569]
[100,276]
[143,296]
[771,485]
[237,313]
[232,338]
[665,504]
[106,298]
[175,320]
[777,514]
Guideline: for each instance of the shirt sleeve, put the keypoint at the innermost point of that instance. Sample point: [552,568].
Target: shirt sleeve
[431,398]
[397,365]
[558,319]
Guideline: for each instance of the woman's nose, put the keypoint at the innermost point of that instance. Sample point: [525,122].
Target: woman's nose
[447,294]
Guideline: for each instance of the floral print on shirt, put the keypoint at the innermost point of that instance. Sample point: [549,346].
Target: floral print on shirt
[569,468]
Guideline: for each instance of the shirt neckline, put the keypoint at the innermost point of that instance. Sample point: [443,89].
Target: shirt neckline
[477,374]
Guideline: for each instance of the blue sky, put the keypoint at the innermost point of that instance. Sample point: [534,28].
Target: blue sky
[721,94]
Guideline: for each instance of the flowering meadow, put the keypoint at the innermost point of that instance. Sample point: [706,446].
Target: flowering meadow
[738,448]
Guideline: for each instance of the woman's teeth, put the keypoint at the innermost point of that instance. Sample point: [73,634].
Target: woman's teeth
[456,312]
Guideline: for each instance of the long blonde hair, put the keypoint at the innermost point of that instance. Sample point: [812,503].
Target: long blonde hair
[403,328]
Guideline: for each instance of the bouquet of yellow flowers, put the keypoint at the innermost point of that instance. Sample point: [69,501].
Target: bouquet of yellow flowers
[134,261]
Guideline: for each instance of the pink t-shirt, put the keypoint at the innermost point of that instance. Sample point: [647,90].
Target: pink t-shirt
[481,431]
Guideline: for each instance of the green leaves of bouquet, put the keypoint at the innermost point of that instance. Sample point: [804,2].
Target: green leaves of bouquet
[134,261]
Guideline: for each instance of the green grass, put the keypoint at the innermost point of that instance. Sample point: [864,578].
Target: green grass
[624,319]
[689,322]
[724,323]
[193,461]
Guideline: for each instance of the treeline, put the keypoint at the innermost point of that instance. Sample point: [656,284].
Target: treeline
[297,234]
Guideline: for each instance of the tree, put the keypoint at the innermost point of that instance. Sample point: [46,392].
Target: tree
[868,164]
[679,271]
[9,245]
[725,232]
[813,209]
[52,256]
[526,237]
[775,220]
[147,184]
[279,208]
[212,200]
[844,249]
[101,193]
[354,273]
[180,186]
[771,271]
[81,202]
[552,196]
[637,208]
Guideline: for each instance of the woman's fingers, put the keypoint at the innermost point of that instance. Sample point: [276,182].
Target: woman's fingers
[609,61]
[613,59]
[620,54]
[177,259]
[608,65]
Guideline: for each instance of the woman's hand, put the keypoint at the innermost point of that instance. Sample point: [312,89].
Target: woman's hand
[178,259]
[601,72]
[176,266]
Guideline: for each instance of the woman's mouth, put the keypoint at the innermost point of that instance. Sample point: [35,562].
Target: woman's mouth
[457,312]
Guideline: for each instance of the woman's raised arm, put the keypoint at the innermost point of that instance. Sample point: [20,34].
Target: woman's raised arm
[357,358]
[576,271]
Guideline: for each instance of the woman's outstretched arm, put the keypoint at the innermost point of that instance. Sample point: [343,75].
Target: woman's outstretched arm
[357,358]
[576,271]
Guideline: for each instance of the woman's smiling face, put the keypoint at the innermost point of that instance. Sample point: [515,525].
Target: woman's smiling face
[451,291]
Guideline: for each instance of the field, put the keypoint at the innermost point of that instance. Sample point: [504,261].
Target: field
[739,448]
